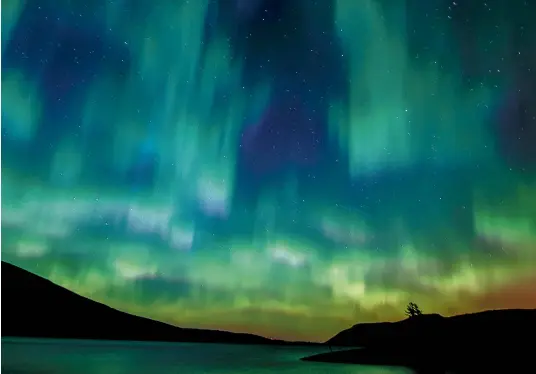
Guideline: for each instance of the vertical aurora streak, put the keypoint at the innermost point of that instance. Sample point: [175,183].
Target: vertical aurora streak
[285,170]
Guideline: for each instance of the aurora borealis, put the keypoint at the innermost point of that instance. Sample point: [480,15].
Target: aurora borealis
[286,168]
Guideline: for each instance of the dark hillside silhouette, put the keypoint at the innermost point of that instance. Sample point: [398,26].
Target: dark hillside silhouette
[484,328]
[479,342]
[35,307]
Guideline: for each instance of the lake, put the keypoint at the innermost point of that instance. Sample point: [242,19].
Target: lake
[47,356]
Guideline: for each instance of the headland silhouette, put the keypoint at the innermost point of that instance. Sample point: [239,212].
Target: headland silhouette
[35,307]
[486,342]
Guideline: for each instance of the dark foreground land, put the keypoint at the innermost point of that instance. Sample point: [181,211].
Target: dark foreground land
[35,307]
[499,341]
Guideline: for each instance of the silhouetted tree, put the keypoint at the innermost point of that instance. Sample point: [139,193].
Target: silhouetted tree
[413,310]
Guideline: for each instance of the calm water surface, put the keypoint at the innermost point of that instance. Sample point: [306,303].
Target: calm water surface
[43,356]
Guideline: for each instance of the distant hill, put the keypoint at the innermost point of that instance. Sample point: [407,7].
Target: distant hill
[490,341]
[486,327]
[35,307]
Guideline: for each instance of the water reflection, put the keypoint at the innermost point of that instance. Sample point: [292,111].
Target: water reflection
[38,356]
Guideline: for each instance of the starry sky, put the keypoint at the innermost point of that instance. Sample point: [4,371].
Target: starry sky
[286,168]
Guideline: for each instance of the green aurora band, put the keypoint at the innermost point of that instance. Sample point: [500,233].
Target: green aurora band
[417,203]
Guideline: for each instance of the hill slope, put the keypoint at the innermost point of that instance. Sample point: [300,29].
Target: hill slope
[35,307]
[490,341]
[484,328]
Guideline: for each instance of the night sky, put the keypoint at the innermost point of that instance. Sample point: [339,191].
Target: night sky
[286,168]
